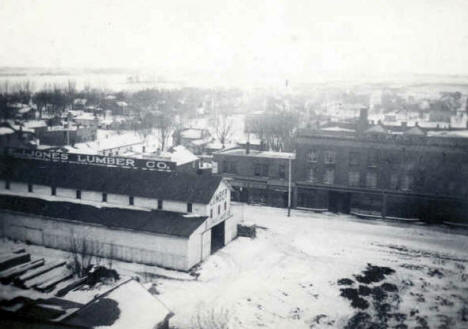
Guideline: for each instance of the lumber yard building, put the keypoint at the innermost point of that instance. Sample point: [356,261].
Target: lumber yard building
[256,176]
[405,172]
[157,217]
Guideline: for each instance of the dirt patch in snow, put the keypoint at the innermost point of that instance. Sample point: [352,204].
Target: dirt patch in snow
[373,274]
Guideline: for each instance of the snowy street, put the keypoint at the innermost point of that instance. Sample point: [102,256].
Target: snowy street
[288,276]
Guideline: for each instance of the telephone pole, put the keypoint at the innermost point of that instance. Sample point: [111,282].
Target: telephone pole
[289,186]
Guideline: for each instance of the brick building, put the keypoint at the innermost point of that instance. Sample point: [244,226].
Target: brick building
[256,176]
[382,172]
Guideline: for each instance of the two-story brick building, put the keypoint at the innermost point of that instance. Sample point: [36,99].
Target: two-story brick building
[400,174]
[256,176]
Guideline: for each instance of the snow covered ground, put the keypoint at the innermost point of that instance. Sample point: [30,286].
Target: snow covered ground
[288,276]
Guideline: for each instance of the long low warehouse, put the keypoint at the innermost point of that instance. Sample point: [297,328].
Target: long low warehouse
[173,220]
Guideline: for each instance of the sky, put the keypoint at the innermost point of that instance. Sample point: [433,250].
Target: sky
[243,39]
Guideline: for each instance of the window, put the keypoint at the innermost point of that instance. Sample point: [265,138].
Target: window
[219,209]
[353,178]
[371,179]
[354,158]
[265,170]
[160,204]
[394,181]
[104,197]
[312,156]
[225,166]
[30,188]
[7,184]
[282,171]
[330,157]
[406,182]
[211,213]
[78,194]
[329,176]
[53,190]
[234,167]
[257,169]
[225,205]
[131,200]
[189,207]
[372,158]
[313,175]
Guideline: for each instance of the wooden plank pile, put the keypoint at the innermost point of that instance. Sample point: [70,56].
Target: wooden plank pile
[247,230]
[18,268]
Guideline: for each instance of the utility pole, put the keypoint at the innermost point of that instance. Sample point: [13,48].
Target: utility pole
[289,187]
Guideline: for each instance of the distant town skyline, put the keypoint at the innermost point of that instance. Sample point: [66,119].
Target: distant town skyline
[240,40]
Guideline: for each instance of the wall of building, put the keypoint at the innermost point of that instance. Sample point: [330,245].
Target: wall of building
[230,229]
[220,204]
[145,202]
[65,193]
[199,245]
[131,246]
[18,187]
[91,196]
[176,206]
[118,199]
[244,165]
[42,189]
[115,199]
[410,170]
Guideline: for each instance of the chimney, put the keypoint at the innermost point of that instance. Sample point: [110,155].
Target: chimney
[363,122]
[416,124]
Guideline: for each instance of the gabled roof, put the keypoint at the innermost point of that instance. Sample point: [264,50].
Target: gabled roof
[155,221]
[416,131]
[176,186]
[377,129]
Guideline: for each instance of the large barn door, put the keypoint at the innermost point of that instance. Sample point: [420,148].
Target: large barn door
[217,237]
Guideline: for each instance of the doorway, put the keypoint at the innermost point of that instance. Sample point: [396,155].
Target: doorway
[339,202]
[217,237]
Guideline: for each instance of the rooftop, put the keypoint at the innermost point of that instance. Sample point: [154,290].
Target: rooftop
[155,221]
[260,154]
[174,186]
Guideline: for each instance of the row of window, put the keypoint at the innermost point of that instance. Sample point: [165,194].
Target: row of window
[260,169]
[329,157]
[354,179]
[219,209]
[131,199]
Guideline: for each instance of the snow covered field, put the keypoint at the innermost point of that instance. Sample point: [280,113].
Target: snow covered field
[288,276]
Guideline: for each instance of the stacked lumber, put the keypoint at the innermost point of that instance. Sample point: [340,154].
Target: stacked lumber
[29,275]
[10,260]
[247,230]
[7,275]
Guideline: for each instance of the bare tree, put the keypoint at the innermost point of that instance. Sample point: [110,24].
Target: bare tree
[165,126]
[84,252]
[224,128]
